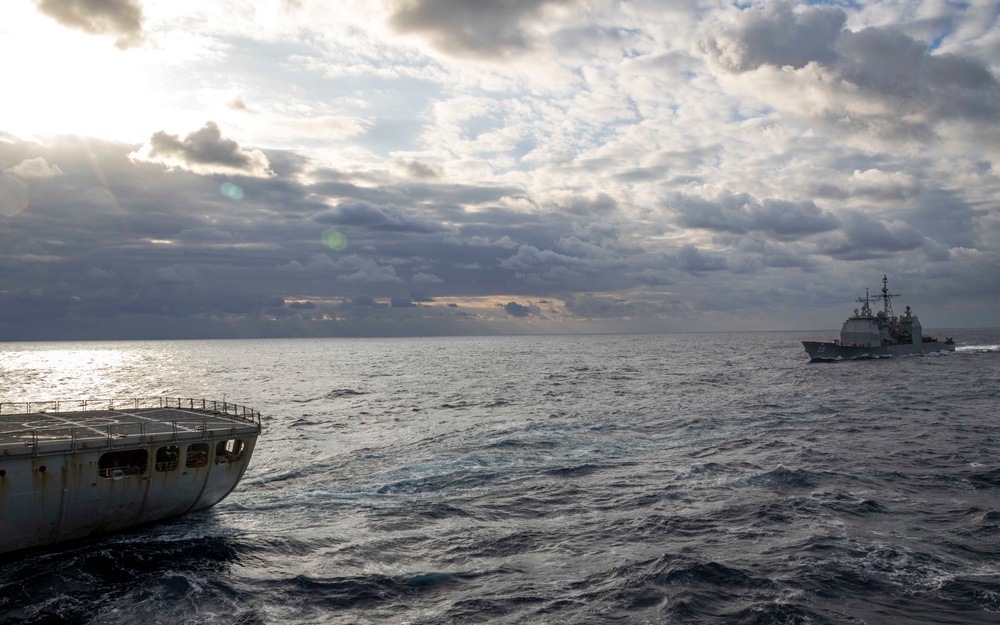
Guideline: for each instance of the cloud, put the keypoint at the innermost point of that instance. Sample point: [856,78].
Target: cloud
[205,151]
[426,278]
[529,256]
[488,30]
[777,35]
[740,213]
[890,64]
[864,237]
[351,269]
[592,153]
[206,234]
[692,260]
[516,310]
[237,104]
[100,275]
[13,195]
[774,254]
[876,80]
[178,274]
[34,168]
[420,170]
[587,305]
[118,18]
[884,186]
[371,216]
[370,272]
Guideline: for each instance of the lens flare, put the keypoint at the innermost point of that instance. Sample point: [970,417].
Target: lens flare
[231,191]
[13,195]
[334,239]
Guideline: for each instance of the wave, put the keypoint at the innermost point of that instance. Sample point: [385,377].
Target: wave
[782,476]
[979,349]
[343,392]
[674,479]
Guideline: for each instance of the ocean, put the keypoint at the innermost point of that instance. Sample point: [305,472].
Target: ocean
[682,478]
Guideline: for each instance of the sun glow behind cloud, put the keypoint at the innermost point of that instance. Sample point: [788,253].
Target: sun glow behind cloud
[75,83]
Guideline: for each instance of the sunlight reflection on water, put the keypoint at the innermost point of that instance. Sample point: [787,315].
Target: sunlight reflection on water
[59,372]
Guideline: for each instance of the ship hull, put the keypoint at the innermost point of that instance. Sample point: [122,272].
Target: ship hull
[70,483]
[826,351]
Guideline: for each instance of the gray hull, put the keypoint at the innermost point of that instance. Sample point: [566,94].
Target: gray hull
[827,351]
[68,473]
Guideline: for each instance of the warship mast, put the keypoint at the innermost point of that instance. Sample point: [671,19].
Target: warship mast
[886,297]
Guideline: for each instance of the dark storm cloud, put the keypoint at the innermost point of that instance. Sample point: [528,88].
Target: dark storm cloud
[784,219]
[542,266]
[741,213]
[206,150]
[516,310]
[202,146]
[110,236]
[587,305]
[876,63]
[692,260]
[350,269]
[591,306]
[951,220]
[475,29]
[207,234]
[864,237]
[592,259]
[366,215]
[118,18]
[894,66]
[111,242]
[773,254]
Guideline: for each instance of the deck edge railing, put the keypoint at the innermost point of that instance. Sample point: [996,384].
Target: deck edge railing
[56,439]
[135,403]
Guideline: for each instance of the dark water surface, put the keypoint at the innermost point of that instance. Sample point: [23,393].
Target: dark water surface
[703,478]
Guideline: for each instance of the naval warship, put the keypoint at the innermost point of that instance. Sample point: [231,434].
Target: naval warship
[878,335]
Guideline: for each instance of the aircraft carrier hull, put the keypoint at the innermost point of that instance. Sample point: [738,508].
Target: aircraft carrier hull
[68,473]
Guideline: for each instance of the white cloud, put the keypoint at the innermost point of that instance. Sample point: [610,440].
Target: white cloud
[34,168]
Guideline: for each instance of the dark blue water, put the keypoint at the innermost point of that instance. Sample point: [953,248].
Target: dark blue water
[704,478]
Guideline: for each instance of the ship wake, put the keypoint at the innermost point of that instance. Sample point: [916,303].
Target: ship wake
[978,349]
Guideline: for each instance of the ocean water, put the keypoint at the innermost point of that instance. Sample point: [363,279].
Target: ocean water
[689,478]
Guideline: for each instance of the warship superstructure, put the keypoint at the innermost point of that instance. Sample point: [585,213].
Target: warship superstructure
[878,335]
[75,469]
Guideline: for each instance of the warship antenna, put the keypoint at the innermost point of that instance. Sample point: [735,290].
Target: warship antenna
[887,296]
[866,311]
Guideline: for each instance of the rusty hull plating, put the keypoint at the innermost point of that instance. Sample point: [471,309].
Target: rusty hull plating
[73,469]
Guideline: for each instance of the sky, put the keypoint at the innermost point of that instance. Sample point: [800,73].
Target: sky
[216,168]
